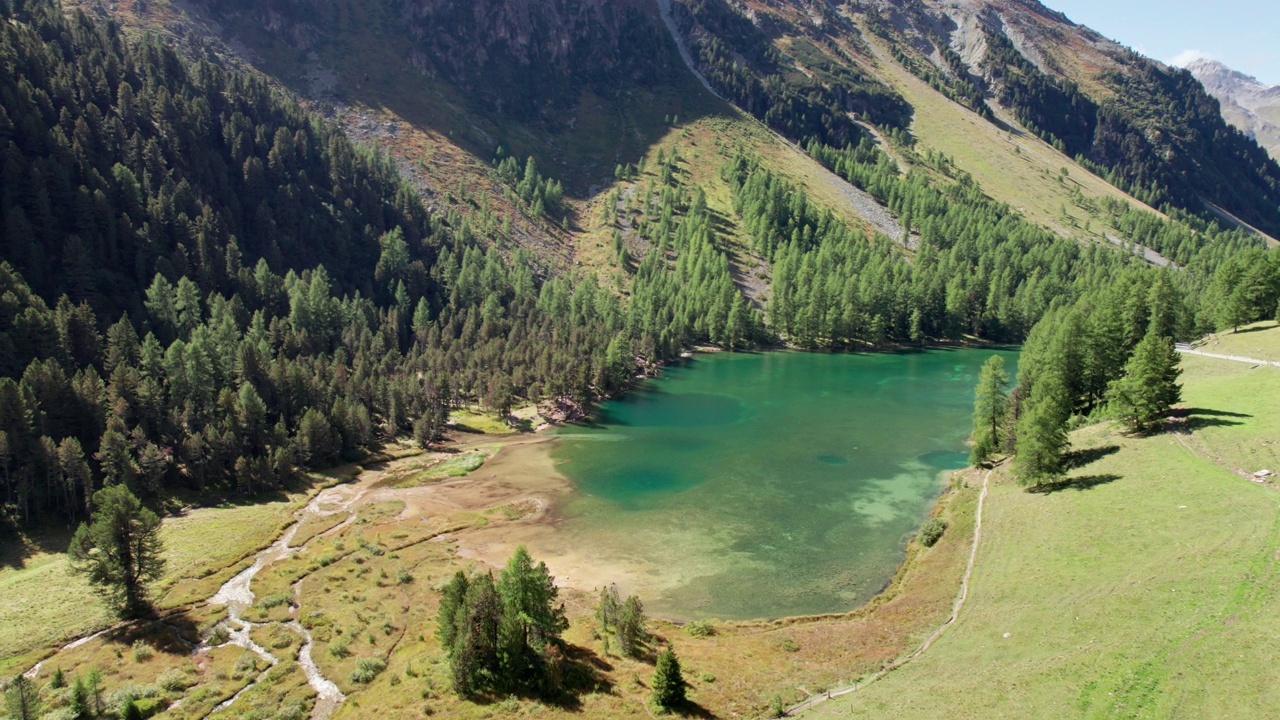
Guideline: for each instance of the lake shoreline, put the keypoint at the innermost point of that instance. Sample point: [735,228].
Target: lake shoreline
[584,563]
[581,572]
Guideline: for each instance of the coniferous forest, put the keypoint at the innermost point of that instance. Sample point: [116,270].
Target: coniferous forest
[205,287]
[314,313]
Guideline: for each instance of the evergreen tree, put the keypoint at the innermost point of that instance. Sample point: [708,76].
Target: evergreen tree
[1149,387]
[531,619]
[475,658]
[607,609]
[667,682]
[119,549]
[1042,432]
[452,610]
[22,699]
[630,627]
[989,409]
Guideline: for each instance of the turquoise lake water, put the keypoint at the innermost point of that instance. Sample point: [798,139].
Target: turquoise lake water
[771,484]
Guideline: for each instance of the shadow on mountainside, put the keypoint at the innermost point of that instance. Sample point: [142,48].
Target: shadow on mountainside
[577,127]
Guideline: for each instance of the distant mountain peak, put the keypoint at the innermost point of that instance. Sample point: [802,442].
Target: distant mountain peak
[1208,70]
[1246,102]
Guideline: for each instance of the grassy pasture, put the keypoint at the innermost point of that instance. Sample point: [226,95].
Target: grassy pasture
[1145,587]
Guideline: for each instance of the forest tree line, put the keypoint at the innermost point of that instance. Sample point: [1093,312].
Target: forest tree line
[204,287]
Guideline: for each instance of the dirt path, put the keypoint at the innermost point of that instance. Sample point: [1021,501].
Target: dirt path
[956,607]
[1186,350]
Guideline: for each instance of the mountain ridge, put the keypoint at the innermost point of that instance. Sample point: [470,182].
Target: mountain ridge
[1247,103]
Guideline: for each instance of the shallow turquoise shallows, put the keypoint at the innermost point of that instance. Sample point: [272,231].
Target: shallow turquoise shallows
[771,484]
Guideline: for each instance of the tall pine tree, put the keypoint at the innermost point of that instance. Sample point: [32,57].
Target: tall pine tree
[990,406]
[1149,387]
[1042,431]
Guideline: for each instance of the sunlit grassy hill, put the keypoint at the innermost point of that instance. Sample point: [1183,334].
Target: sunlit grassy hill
[1144,586]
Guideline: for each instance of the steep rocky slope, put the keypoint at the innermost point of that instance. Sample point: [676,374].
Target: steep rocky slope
[1246,103]
[590,87]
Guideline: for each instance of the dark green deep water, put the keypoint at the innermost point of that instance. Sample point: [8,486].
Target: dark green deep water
[772,484]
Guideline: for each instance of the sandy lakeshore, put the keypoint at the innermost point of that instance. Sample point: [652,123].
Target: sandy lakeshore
[518,497]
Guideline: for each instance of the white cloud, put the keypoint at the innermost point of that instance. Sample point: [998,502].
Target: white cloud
[1186,57]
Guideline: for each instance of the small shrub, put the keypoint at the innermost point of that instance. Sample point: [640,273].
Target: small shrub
[790,645]
[708,677]
[776,708]
[246,663]
[931,531]
[281,638]
[700,628]
[173,680]
[274,601]
[403,577]
[142,652]
[340,648]
[131,693]
[367,669]
[219,635]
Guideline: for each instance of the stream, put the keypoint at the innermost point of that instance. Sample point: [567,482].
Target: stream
[237,595]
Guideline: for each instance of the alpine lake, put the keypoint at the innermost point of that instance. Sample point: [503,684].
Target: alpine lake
[766,485]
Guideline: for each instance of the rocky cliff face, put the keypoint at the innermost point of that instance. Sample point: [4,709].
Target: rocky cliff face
[520,57]
[1246,103]
[531,54]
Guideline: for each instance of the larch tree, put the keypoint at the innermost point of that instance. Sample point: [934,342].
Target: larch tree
[119,550]
[22,699]
[1149,387]
[990,406]
[1042,432]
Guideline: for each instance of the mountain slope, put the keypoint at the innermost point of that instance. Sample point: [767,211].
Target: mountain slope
[1246,103]
[1151,129]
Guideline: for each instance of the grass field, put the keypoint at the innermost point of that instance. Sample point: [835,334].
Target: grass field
[1011,166]
[42,605]
[1254,341]
[1145,589]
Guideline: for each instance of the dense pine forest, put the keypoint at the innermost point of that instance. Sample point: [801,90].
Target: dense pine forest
[205,287]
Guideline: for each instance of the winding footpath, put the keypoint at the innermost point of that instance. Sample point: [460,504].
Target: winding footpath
[1185,349]
[956,607]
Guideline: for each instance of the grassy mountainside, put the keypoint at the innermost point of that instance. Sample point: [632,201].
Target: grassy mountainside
[1109,595]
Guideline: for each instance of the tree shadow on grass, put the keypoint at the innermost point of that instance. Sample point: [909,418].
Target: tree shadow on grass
[1192,419]
[18,544]
[582,672]
[1087,456]
[1084,482]
[1256,328]
[693,710]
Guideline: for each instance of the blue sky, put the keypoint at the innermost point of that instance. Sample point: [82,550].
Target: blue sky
[1244,34]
